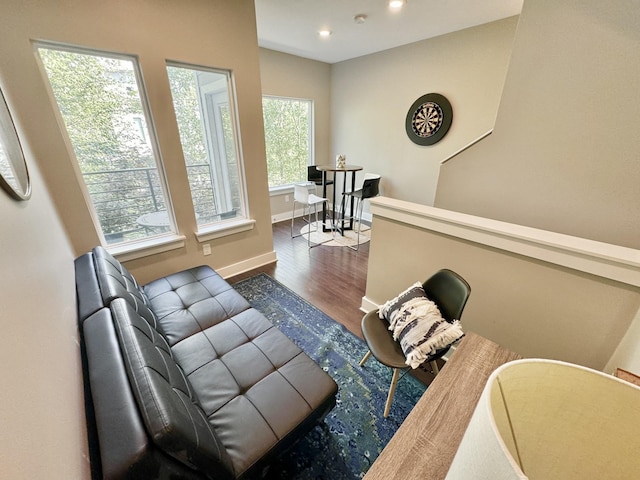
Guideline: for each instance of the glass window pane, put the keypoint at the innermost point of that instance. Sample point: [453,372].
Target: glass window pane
[288,129]
[201,99]
[100,102]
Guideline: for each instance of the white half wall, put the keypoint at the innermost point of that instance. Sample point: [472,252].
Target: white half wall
[537,293]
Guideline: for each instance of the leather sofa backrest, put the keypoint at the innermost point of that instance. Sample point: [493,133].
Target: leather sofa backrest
[124,449]
[116,281]
[101,278]
[88,293]
[170,410]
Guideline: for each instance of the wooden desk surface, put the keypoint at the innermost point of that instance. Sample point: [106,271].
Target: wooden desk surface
[425,444]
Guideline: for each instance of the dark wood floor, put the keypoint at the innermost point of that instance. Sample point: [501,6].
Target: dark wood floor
[331,278]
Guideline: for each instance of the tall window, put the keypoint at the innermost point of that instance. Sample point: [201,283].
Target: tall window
[288,128]
[205,114]
[99,97]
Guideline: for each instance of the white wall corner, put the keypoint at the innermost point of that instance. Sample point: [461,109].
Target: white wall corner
[367,305]
[627,354]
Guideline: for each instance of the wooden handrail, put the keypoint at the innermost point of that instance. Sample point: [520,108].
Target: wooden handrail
[458,152]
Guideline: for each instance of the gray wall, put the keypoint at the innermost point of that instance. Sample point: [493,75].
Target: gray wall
[41,410]
[361,104]
[209,33]
[41,405]
[296,77]
[564,152]
[563,157]
[371,96]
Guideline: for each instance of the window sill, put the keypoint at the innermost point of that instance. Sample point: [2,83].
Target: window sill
[224,229]
[145,248]
[282,190]
[288,189]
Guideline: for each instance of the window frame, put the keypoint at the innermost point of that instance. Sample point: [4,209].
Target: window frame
[151,244]
[243,222]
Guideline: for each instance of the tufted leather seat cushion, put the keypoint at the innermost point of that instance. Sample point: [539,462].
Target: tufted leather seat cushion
[189,301]
[253,383]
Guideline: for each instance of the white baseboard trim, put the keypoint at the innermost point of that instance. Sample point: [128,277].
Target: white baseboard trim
[367,305]
[280,217]
[246,265]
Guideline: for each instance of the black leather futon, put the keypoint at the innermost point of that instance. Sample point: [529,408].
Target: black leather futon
[184,379]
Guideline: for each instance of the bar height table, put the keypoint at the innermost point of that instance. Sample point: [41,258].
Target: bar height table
[345,170]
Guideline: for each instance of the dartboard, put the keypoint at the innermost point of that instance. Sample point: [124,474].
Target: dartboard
[429,119]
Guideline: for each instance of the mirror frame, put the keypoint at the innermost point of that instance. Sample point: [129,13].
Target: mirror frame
[10,143]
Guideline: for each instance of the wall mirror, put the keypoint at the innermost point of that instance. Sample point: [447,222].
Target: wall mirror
[14,176]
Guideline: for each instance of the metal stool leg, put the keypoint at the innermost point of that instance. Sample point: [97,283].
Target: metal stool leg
[359,220]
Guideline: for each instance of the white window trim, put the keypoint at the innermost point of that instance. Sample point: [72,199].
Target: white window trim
[207,228]
[145,248]
[224,229]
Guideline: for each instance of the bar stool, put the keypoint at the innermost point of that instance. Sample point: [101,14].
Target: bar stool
[370,188]
[314,175]
[308,200]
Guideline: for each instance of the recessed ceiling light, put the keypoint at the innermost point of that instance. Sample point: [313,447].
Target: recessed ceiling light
[324,33]
[396,4]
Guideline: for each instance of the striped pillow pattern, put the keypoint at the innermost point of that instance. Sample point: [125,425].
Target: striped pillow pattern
[418,325]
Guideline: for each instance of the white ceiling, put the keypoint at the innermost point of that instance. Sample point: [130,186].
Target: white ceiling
[291,26]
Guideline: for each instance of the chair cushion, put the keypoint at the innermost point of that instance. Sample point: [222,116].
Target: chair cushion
[418,325]
[380,341]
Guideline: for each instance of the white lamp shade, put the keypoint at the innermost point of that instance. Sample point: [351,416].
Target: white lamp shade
[544,419]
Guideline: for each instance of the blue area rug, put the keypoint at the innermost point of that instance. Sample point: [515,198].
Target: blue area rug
[354,433]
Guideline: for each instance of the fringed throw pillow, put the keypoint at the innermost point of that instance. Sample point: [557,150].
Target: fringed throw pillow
[418,325]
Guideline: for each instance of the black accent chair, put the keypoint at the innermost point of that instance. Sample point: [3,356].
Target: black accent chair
[449,291]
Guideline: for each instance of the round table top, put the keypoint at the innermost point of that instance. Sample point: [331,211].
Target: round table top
[333,168]
[154,219]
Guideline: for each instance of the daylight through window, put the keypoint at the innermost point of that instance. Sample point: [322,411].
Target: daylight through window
[288,128]
[205,115]
[100,100]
